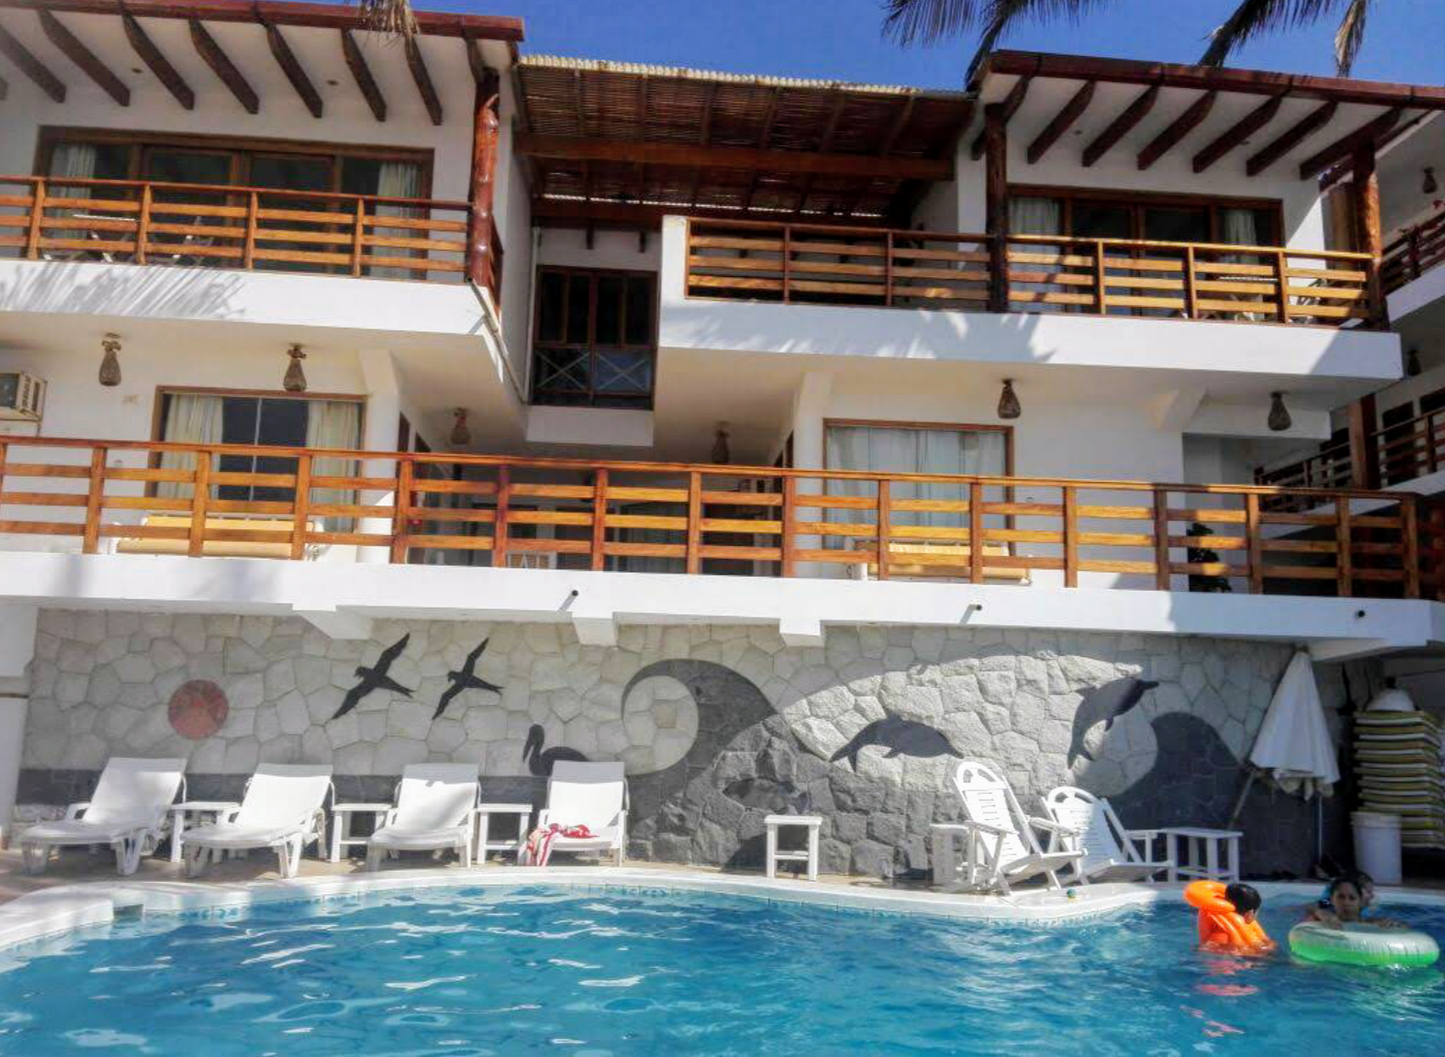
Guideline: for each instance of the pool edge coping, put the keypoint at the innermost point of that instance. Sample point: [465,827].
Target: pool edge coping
[54,912]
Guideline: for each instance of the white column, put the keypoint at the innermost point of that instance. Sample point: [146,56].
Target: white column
[383,412]
[17,649]
[810,408]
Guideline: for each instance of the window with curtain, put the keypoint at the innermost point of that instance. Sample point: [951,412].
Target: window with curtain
[886,448]
[212,418]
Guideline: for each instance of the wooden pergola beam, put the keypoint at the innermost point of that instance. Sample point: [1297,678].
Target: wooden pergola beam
[158,63]
[1011,104]
[294,71]
[1291,138]
[764,136]
[422,77]
[222,66]
[361,74]
[1122,125]
[1365,135]
[480,70]
[571,212]
[900,122]
[1061,123]
[1237,133]
[567,148]
[68,44]
[26,62]
[1180,127]
[704,133]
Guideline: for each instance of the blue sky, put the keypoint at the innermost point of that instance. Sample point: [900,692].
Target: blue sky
[839,39]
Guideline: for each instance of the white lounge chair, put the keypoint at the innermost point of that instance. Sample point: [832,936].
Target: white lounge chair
[592,795]
[1109,852]
[127,811]
[282,809]
[435,808]
[999,845]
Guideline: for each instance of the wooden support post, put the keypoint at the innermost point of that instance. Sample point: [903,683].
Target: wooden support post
[599,521]
[885,513]
[1410,531]
[1364,444]
[1365,188]
[1345,553]
[694,522]
[200,500]
[1432,440]
[1281,285]
[300,503]
[94,500]
[975,532]
[358,231]
[1161,540]
[486,127]
[1101,294]
[996,225]
[1191,297]
[248,249]
[790,524]
[401,511]
[37,213]
[787,261]
[1071,537]
[4,454]
[888,269]
[143,225]
[1252,536]
[499,526]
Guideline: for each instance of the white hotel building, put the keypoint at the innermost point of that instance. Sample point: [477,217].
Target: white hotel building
[736,414]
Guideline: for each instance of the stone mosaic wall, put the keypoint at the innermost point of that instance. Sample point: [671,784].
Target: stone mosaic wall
[717,725]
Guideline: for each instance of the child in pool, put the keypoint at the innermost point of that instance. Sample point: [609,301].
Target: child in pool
[1246,901]
[1347,897]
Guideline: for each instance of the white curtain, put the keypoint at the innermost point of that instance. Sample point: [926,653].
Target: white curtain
[1031,215]
[334,424]
[1237,228]
[397,179]
[71,160]
[191,418]
[888,450]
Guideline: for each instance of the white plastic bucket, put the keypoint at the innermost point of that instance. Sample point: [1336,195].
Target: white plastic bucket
[1377,845]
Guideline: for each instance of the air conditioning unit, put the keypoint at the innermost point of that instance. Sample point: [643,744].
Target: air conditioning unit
[22,397]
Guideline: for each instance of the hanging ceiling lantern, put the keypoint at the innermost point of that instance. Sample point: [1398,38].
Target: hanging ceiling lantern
[110,362]
[721,452]
[1430,184]
[461,435]
[295,380]
[1412,363]
[1008,401]
[1279,419]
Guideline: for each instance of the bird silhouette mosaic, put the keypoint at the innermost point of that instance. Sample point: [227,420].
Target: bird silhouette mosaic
[466,679]
[375,677]
[540,762]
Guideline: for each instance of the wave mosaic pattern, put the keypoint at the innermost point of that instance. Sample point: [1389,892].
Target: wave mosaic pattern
[716,725]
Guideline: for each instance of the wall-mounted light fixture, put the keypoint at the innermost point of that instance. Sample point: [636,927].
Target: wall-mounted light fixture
[1429,185]
[295,380]
[1279,419]
[461,434]
[110,362]
[721,450]
[1008,401]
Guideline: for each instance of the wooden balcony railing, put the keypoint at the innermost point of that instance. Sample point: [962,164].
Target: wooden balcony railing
[200,499]
[794,263]
[1403,452]
[1414,253]
[200,225]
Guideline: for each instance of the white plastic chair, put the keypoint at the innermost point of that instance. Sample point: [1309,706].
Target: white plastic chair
[282,809]
[127,811]
[435,808]
[1109,851]
[592,795]
[1000,848]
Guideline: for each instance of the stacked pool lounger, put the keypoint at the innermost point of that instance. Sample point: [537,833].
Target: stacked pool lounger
[1398,763]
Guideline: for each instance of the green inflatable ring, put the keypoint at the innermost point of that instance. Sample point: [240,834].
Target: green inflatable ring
[1363,945]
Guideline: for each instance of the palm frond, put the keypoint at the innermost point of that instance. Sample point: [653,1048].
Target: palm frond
[392,17]
[1351,35]
[1253,18]
[929,21]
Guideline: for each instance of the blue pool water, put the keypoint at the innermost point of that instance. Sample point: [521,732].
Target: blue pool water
[481,971]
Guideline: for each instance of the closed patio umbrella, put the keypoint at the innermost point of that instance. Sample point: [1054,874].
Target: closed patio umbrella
[1293,747]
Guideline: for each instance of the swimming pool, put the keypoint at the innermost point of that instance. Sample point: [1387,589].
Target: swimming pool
[474,970]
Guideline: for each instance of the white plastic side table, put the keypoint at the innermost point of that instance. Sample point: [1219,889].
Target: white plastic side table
[484,823]
[813,823]
[341,824]
[1204,858]
[197,808]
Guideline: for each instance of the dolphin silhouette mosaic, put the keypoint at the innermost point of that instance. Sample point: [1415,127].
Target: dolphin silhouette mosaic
[540,762]
[901,737]
[466,679]
[375,677]
[1104,704]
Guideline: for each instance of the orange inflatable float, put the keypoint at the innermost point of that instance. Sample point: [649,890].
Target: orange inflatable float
[1221,927]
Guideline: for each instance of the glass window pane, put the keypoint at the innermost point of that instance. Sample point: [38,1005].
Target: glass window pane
[360,176]
[291,172]
[551,296]
[238,426]
[1176,224]
[579,294]
[609,310]
[283,422]
[639,310]
[189,166]
[1102,220]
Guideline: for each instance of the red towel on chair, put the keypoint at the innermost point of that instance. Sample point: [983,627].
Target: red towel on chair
[538,849]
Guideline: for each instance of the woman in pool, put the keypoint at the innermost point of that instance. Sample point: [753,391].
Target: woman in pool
[1345,902]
